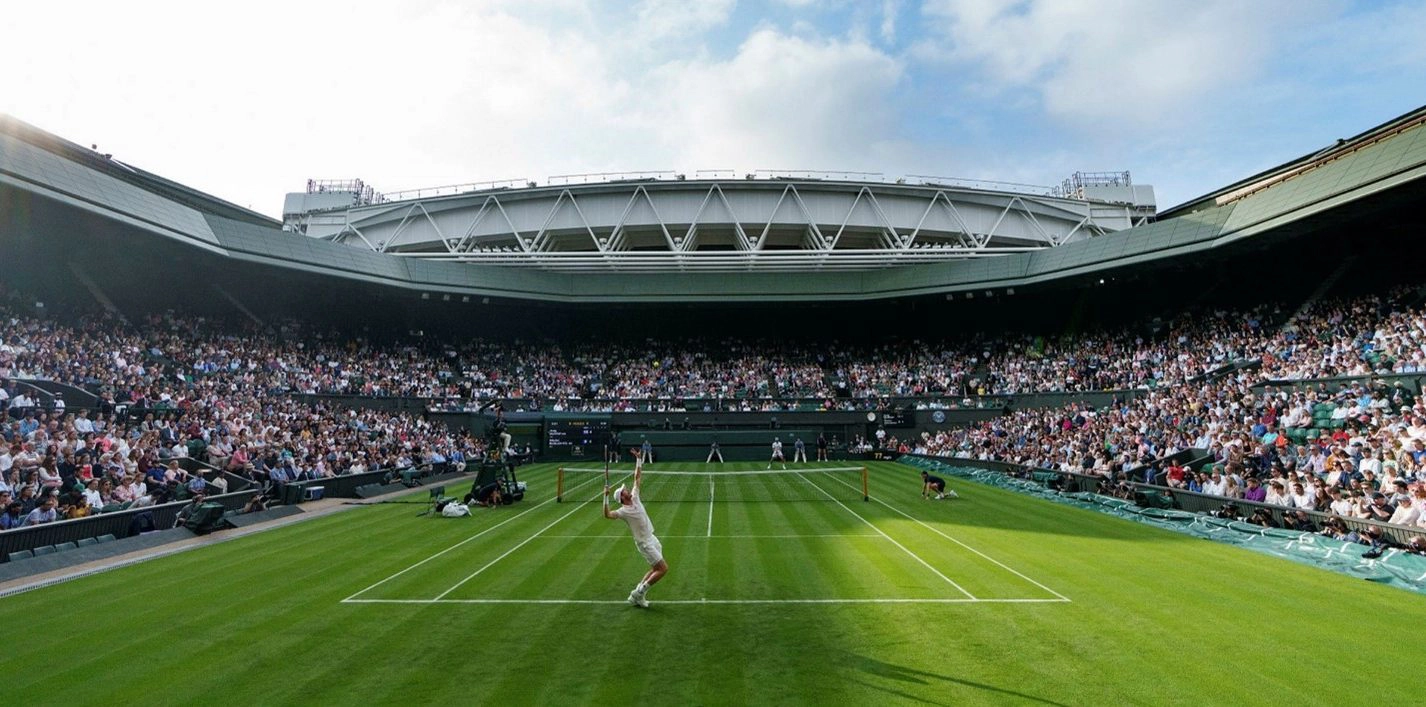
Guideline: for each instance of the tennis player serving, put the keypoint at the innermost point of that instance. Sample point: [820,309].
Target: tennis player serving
[629,508]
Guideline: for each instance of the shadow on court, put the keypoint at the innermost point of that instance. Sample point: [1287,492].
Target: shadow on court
[917,676]
[985,506]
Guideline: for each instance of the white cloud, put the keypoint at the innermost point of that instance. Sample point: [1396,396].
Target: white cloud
[437,93]
[781,103]
[1124,62]
[248,101]
[659,19]
[889,9]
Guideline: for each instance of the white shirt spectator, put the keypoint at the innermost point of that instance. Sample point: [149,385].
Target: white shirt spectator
[1371,464]
[1342,507]
[1406,514]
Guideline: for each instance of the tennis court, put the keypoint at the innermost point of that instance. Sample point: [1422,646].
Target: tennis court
[776,594]
[732,534]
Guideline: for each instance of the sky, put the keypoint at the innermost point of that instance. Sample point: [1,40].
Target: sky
[248,100]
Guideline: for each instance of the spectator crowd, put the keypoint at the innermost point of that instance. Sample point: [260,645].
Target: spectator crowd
[229,395]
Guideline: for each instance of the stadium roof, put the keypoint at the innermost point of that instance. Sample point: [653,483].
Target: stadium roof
[1337,150]
[1382,165]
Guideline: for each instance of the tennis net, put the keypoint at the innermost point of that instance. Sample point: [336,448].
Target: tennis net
[811,484]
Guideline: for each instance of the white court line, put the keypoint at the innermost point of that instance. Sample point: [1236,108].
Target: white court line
[442,552]
[577,508]
[707,601]
[888,537]
[935,530]
[725,537]
[710,506]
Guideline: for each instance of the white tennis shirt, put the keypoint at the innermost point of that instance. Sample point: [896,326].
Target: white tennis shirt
[638,519]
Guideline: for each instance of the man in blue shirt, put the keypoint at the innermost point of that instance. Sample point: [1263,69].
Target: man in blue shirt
[28,425]
[278,477]
[13,517]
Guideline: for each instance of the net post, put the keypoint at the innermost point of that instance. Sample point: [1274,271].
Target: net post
[865,496]
[559,485]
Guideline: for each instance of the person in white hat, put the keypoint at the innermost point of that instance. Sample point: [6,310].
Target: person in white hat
[629,508]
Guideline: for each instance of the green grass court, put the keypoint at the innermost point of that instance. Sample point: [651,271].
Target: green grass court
[782,589]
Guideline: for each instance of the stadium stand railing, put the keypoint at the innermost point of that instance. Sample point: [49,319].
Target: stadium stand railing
[74,396]
[120,524]
[1411,381]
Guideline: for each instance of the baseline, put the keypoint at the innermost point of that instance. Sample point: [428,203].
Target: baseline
[685,602]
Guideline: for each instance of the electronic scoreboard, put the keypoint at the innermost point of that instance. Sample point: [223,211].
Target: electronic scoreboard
[576,437]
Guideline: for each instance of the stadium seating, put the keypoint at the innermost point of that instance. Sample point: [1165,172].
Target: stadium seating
[179,387]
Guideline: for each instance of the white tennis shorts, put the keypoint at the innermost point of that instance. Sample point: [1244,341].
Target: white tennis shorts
[651,549]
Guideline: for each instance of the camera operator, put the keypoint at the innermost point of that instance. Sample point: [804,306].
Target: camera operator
[1229,511]
[1298,520]
[1262,517]
[1335,528]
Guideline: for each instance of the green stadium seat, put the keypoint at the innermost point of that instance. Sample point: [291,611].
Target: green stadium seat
[86,542]
[21,555]
[107,537]
[44,550]
[65,546]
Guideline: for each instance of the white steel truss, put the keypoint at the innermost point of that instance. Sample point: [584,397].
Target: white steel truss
[777,225]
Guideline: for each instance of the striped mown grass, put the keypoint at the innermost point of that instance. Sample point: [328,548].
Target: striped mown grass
[991,598]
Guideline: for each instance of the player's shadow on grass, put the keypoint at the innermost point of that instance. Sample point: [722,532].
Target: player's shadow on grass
[917,676]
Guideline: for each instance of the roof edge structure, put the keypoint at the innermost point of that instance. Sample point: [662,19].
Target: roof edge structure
[1385,165]
[107,164]
[1296,166]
